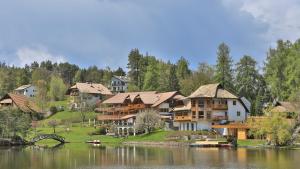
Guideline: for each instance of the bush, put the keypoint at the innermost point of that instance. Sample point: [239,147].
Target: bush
[100,131]
[53,109]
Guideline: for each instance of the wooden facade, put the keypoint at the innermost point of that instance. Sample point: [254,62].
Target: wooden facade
[203,109]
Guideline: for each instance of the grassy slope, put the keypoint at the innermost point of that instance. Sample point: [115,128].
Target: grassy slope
[66,115]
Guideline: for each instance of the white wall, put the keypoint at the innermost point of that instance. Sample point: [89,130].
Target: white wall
[30,91]
[203,125]
[233,109]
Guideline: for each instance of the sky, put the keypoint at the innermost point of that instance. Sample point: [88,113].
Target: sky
[102,32]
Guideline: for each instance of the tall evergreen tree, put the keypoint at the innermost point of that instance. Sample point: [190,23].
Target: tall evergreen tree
[151,77]
[183,70]
[134,66]
[224,71]
[246,77]
[173,80]
[275,69]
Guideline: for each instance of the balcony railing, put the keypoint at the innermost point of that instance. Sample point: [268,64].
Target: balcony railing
[220,107]
[108,117]
[112,109]
[182,118]
[218,118]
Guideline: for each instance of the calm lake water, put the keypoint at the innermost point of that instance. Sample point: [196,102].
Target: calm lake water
[82,156]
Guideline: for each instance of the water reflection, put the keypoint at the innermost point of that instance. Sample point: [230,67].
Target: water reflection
[83,156]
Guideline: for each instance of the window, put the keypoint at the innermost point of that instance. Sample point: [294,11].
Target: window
[234,102]
[193,103]
[201,103]
[201,115]
[238,113]
[164,110]
[208,115]
[194,114]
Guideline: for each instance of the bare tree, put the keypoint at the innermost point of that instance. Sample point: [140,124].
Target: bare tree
[53,124]
[147,120]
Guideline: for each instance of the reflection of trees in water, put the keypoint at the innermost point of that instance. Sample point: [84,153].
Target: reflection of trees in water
[84,156]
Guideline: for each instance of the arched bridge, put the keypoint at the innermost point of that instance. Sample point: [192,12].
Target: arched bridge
[48,136]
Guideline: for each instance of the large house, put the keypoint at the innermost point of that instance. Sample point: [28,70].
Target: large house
[19,101]
[90,93]
[119,84]
[122,108]
[209,105]
[26,90]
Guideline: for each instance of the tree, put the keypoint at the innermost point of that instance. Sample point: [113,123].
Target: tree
[41,96]
[57,88]
[134,67]
[224,71]
[204,75]
[40,74]
[14,122]
[172,79]
[119,72]
[183,70]
[84,106]
[276,128]
[246,78]
[277,61]
[151,77]
[53,124]
[147,121]
[7,81]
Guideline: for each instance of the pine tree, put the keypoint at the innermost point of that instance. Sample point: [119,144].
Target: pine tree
[224,71]
[183,70]
[246,78]
[151,78]
[173,80]
[134,66]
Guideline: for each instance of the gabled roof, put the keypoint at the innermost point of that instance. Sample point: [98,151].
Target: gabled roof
[121,97]
[282,107]
[22,102]
[164,97]
[212,91]
[91,88]
[150,97]
[23,87]
[122,78]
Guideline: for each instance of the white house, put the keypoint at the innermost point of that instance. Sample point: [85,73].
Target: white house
[89,93]
[209,105]
[26,90]
[119,84]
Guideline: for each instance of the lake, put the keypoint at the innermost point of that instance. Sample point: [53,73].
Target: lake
[83,156]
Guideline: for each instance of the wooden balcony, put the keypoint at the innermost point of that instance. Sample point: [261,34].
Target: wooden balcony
[183,118]
[112,109]
[108,117]
[136,106]
[219,118]
[219,107]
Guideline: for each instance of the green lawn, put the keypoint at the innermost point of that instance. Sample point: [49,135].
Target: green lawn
[81,134]
[66,115]
[251,142]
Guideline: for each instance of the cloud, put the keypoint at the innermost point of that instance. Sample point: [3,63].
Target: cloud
[281,16]
[27,55]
